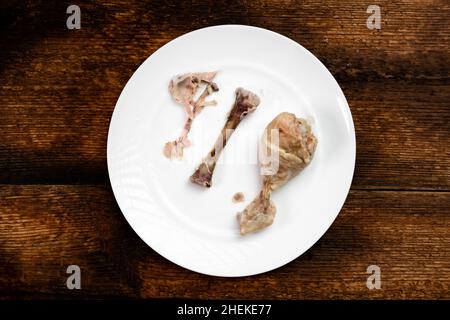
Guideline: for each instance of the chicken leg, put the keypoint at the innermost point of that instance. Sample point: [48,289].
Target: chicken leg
[295,146]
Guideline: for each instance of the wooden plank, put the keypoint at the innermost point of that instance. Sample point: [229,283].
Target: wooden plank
[45,228]
[52,135]
[412,42]
[402,135]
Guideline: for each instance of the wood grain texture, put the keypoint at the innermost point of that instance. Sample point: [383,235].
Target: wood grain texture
[411,44]
[45,228]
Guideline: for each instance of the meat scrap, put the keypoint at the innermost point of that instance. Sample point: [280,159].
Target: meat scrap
[245,103]
[295,149]
[183,89]
[238,197]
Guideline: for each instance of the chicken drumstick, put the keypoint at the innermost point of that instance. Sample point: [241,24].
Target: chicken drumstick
[295,147]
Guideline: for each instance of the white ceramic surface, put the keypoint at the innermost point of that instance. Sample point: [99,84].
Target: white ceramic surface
[197,228]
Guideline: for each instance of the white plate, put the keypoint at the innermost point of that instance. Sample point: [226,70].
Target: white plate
[196,228]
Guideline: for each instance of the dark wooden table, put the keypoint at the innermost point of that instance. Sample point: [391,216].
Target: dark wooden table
[58,88]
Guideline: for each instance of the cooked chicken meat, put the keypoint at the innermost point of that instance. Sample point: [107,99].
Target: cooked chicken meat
[238,197]
[294,144]
[245,103]
[183,89]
